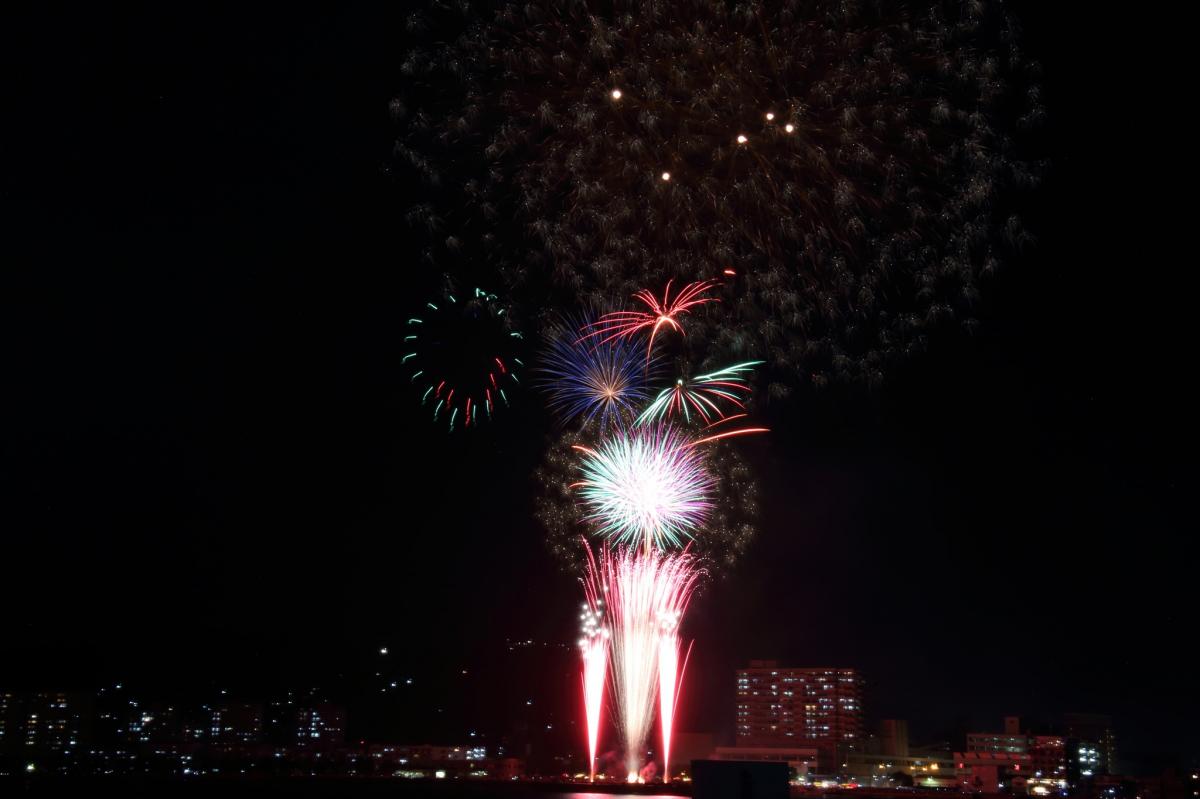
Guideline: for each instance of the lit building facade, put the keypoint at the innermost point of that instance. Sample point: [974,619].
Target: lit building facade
[799,759]
[44,730]
[885,770]
[322,724]
[227,724]
[1014,761]
[1012,741]
[800,707]
[1048,757]
[122,721]
[1091,746]
[993,772]
[6,703]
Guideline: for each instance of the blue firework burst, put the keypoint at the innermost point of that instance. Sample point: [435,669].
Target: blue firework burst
[603,383]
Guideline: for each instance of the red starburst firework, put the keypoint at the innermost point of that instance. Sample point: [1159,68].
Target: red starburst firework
[664,312]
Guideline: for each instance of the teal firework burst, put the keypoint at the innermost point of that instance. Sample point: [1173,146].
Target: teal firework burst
[709,398]
[647,486]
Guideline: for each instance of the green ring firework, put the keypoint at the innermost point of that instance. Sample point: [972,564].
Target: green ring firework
[464,358]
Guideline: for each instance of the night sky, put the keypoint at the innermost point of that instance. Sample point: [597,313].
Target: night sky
[211,471]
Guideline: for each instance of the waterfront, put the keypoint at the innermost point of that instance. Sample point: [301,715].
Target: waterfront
[320,788]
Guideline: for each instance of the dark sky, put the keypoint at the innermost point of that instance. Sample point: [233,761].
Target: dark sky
[209,467]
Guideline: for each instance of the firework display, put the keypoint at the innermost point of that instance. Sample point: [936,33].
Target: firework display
[858,166]
[603,384]
[647,592]
[463,358]
[662,313]
[732,516]
[703,396]
[647,487]
[764,195]
[647,588]
[670,673]
[593,645]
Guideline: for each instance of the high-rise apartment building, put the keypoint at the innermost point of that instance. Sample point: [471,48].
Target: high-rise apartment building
[786,706]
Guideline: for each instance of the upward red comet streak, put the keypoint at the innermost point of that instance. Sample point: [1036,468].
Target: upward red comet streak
[662,313]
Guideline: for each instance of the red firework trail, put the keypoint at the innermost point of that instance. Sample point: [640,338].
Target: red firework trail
[730,434]
[670,681]
[662,313]
[647,594]
[593,645]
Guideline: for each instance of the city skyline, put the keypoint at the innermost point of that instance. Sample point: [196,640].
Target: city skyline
[811,718]
[816,715]
[214,476]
